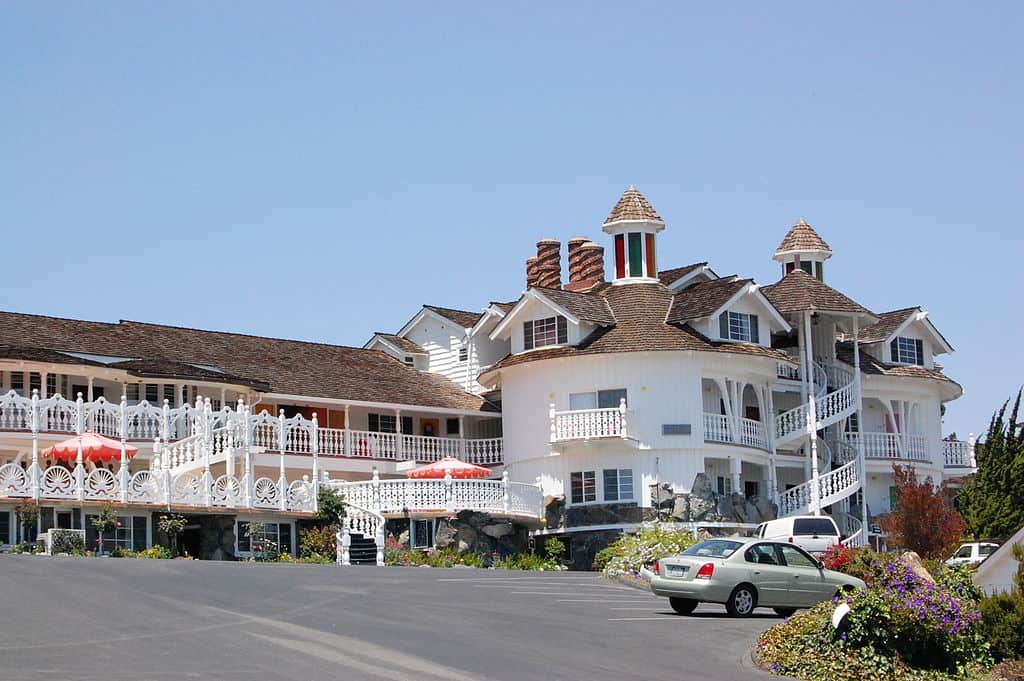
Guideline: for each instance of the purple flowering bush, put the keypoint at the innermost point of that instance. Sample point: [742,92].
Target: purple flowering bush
[901,627]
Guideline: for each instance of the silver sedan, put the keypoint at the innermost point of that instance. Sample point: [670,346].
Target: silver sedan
[745,574]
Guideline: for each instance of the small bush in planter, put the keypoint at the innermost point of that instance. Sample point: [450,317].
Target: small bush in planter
[71,542]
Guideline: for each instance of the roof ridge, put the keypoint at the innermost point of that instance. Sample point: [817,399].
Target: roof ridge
[235,333]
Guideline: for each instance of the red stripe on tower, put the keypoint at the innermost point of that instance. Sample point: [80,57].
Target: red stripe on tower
[620,256]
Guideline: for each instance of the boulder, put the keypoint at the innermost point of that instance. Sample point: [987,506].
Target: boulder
[498,530]
[913,561]
[465,538]
[681,508]
[444,536]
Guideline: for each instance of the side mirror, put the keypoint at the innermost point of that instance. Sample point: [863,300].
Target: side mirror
[821,565]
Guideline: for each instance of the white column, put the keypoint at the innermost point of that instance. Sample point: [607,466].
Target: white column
[315,446]
[347,438]
[773,469]
[122,474]
[207,450]
[861,464]
[282,480]
[34,473]
[44,376]
[812,418]
[399,444]
[247,475]
[90,389]
[735,471]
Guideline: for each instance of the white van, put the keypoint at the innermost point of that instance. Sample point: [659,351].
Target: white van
[812,533]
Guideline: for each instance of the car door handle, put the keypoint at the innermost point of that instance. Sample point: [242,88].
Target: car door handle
[757,572]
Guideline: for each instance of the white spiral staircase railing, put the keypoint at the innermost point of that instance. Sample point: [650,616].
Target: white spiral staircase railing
[361,521]
[851,528]
[844,477]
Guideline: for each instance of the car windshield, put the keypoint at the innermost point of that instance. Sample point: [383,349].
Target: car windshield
[713,548]
[813,526]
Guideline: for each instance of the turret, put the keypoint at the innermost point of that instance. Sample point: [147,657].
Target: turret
[803,248]
[634,224]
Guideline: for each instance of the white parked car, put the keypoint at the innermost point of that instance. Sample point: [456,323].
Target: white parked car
[813,533]
[972,553]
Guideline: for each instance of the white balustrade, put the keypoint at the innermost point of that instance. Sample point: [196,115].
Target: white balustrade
[332,441]
[891,446]
[716,428]
[787,371]
[427,449]
[400,496]
[371,445]
[588,424]
[958,454]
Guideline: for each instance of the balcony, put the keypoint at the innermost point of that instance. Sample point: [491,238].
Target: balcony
[891,446]
[588,424]
[738,431]
[958,456]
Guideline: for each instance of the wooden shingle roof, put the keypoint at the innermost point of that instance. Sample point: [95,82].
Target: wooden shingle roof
[463,318]
[633,205]
[802,237]
[799,292]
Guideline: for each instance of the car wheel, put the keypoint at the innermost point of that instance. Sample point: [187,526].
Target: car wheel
[784,612]
[742,601]
[684,606]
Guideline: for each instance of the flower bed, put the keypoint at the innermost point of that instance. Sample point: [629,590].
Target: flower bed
[902,626]
[629,554]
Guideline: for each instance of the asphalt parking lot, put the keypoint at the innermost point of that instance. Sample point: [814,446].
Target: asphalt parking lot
[84,619]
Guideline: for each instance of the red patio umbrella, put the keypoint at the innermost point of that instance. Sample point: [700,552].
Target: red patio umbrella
[449,464]
[94,448]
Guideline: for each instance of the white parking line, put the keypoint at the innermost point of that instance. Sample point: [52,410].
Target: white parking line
[640,619]
[633,607]
[604,600]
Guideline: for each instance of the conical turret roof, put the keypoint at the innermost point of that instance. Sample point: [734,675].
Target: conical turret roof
[633,206]
[802,237]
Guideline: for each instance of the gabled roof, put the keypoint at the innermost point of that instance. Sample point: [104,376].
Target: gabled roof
[887,324]
[639,311]
[871,366]
[703,299]
[802,237]
[400,343]
[463,318]
[669,277]
[799,292]
[892,323]
[633,205]
[585,306]
[290,367]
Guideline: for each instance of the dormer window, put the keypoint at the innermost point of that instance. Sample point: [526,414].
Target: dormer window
[408,360]
[907,350]
[738,326]
[463,353]
[543,332]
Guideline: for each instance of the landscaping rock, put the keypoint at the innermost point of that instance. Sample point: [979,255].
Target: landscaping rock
[913,561]
[498,530]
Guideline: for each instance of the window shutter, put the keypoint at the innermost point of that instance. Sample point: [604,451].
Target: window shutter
[894,350]
[563,330]
[919,347]
[723,325]
[528,335]
[754,338]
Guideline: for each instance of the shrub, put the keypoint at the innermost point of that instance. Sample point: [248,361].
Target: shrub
[900,627]
[67,541]
[319,541]
[1009,671]
[1002,618]
[630,552]
[121,552]
[156,553]
[924,519]
[396,554]
[330,506]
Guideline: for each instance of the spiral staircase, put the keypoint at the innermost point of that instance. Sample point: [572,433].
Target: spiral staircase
[835,397]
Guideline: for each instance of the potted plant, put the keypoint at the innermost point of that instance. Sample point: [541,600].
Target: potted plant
[172,525]
[105,522]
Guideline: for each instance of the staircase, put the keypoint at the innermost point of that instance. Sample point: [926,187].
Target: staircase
[835,398]
[196,451]
[360,541]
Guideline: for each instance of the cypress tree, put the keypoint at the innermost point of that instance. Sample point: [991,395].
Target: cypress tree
[992,500]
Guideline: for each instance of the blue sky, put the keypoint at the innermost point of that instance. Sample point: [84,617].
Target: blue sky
[317,171]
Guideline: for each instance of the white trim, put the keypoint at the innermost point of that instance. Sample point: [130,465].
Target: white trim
[378,338]
[922,316]
[424,312]
[677,284]
[491,311]
[754,290]
[531,294]
[305,399]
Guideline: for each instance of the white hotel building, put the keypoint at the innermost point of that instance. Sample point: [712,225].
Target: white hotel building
[598,404]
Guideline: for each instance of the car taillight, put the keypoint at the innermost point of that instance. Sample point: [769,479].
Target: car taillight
[657,567]
[790,540]
[705,571]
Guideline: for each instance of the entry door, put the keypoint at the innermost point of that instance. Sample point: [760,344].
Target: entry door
[64,519]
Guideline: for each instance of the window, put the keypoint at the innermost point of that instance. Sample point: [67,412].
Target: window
[35,382]
[152,393]
[451,426]
[215,405]
[814,527]
[794,557]
[963,552]
[762,554]
[987,549]
[408,360]
[738,326]
[131,392]
[713,548]
[807,266]
[463,353]
[422,534]
[542,332]
[907,350]
[275,538]
[751,488]
[5,528]
[583,487]
[130,533]
[618,484]
[51,384]
[169,394]
[18,382]
[724,485]
[184,395]
[601,399]
[386,423]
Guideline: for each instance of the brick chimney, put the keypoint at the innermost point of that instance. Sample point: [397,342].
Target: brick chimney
[532,276]
[589,267]
[573,249]
[549,263]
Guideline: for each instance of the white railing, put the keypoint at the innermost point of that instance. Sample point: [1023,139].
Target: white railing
[400,497]
[787,371]
[588,424]
[958,454]
[362,521]
[851,528]
[891,446]
[145,422]
[748,432]
[157,487]
[831,487]
[830,407]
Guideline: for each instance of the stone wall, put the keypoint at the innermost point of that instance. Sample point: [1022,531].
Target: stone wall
[703,504]
[218,537]
[479,533]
